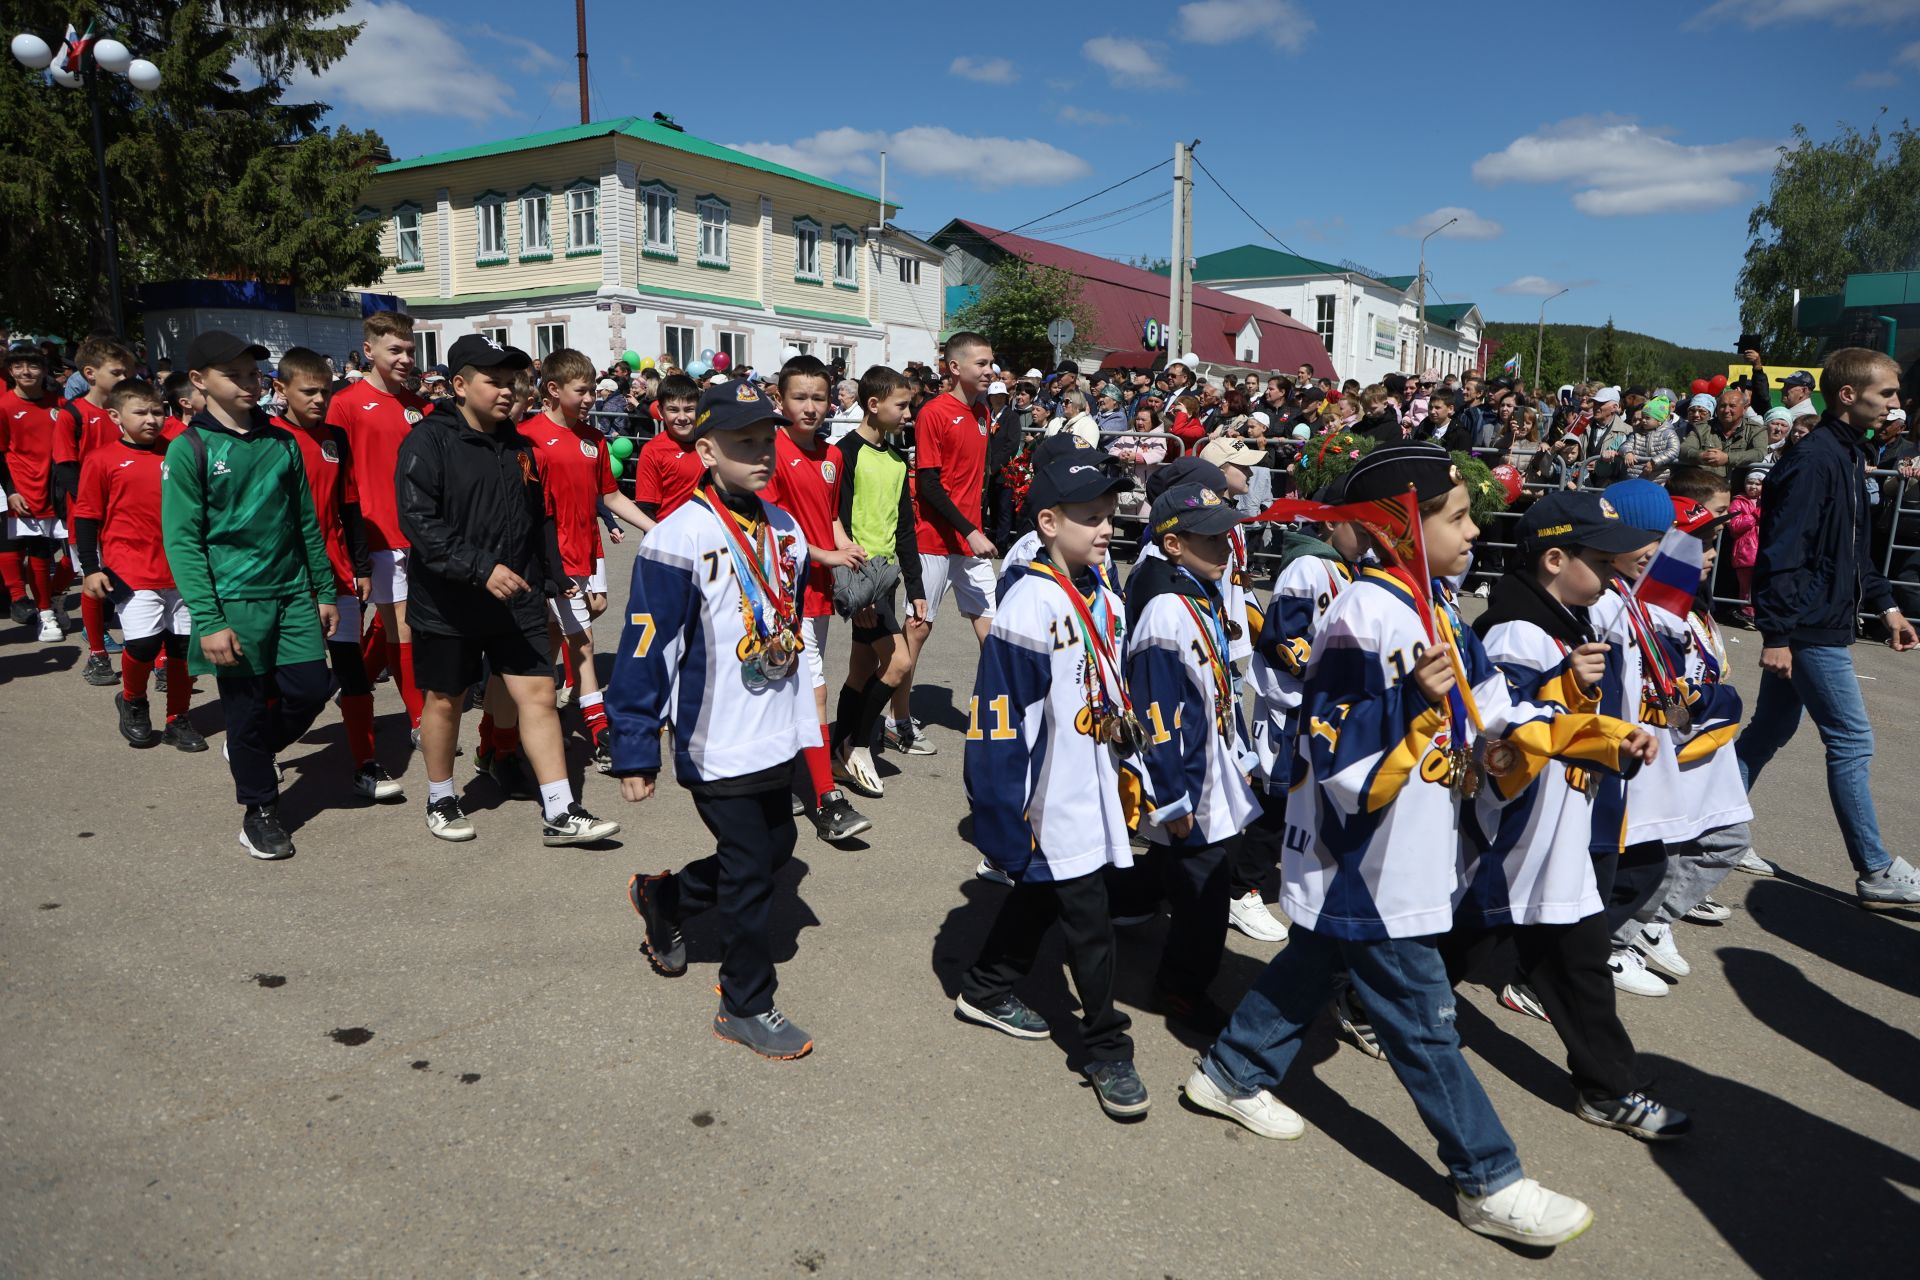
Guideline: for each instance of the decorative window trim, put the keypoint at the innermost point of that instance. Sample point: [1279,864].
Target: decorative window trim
[366,213]
[583,250]
[535,255]
[498,200]
[843,232]
[419,232]
[669,251]
[704,259]
[801,222]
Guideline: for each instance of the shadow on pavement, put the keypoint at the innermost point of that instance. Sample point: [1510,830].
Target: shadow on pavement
[788,915]
[1878,948]
[42,660]
[1792,1005]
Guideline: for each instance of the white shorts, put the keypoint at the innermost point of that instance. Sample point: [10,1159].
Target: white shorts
[389,576]
[971,578]
[597,580]
[573,615]
[348,631]
[149,613]
[37,527]
[814,632]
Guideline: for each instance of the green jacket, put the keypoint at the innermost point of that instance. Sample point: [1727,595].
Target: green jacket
[1746,445]
[239,523]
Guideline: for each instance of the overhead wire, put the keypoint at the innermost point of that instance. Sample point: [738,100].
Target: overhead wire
[1082,200]
[1242,208]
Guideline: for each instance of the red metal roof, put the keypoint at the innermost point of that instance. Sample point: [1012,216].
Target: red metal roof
[1123,298]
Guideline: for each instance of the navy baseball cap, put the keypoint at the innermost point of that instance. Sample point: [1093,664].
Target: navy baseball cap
[1798,378]
[1191,508]
[1579,518]
[1075,476]
[26,349]
[1188,469]
[733,405]
[1391,469]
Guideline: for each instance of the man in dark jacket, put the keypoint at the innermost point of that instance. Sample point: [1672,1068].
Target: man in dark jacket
[1814,572]
[485,559]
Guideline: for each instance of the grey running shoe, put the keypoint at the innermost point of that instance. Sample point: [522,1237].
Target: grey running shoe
[1707,911]
[665,949]
[1636,1114]
[1755,865]
[1121,1092]
[99,671]
[836,819]
[768,1034]
[909,739]
[1895,885]
[1009,1013]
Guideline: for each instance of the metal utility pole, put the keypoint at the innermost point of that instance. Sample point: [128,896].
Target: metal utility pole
[1540,335]
[1177,263]
[1186,267]
[1420,281]
[580,31]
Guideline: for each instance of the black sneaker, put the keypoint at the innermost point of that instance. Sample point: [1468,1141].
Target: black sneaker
[665,949]
[375,783]
[99,671]
[1355,1027]
[768,1034]
[136,721]
[262,836]
[1119,1087]
[22,610]
[1636,1114]
[446,820]
[1009,1013]
[602,754]
[182,736]
[509,772]
[576,826]
[836,819]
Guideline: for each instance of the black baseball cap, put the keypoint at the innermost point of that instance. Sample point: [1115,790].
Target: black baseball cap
[733,405]
[1191,508]
[1579,518]
[1189,469]
[476,352]
[26,349]
[217,346]
[1067,366]
[1075,476]
[1798,378]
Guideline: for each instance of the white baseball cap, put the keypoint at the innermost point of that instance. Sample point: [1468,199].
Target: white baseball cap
[1607,395]
[996,388]
[1896,414]
[1033,373]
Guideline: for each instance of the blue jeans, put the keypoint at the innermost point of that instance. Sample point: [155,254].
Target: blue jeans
[1402,983]
[1823,682]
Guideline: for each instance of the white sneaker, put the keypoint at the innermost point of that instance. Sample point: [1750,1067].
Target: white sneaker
[853,770]
[1250,916]
[1263,1113]
[1755,865]
[60,616]
[50,629]
[992,874]
[1630,974]
[1656,944]
[1707,911]
[1526,1213]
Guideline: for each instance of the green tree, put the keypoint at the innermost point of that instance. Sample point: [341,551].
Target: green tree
[1016,305]
[1604,364]
[1835,209]
[214,174]
[1555,366]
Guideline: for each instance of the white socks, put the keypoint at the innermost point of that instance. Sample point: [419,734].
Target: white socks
[555,798]
[439,790]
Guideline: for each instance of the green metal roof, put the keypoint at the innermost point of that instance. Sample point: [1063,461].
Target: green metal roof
[633,127]
[1402,283]
[1882,289]
[1448,313]
[1253,262]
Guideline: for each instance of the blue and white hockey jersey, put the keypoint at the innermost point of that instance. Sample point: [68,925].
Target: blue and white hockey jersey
[1192,768]
[1045,794]
[1303,589]
[1694,786]
[1373,848]
[678,660]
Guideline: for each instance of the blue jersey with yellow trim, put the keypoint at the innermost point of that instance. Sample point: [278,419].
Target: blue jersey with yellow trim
[1303,590]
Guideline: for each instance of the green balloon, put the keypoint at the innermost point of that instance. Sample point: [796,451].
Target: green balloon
[633,360]
[622,446]
[619,467]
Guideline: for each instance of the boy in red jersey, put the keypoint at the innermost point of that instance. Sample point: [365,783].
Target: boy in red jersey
[28,409]
[803,486]
[576,476]
[181,400]
[950,463]
[37,442]
[116,526]
[105,363]
[376,413]
[667,469]
[328,456]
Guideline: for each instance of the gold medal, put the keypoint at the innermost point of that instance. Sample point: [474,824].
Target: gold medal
[1499,757]
[1462,777]
[749,647]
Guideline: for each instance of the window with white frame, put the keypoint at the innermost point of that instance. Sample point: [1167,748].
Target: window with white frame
[909,270]
[678,340]
[583,219]
[536,224]
[548,338]
[407,252]
[846,257]
[490,227]
[1323,319]
[800,348]
[806,249]
[734,343]
[496,334]
[843,356]
[656,220]
[426,347]
[715,214]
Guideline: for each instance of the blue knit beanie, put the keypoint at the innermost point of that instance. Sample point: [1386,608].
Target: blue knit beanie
[1642,504]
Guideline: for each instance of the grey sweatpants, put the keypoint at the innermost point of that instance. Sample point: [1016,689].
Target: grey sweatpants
[1695,869]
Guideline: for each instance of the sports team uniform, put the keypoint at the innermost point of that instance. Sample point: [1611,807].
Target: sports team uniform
[952,435]
[876,510]
[375,422]
[1310,578]
[665,474]
[328,459]
[805,485]
[39,435]
[575,473]
[95,428]
[1241,604]
[120,494]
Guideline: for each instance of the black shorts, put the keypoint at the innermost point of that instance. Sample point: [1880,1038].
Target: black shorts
[449,664]
[886,617]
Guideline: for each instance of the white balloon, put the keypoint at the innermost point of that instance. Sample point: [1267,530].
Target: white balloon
[32,52]
[62,76]
[143,75]
[112,56]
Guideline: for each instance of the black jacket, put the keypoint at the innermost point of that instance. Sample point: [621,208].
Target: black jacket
[470,500]
[1815,567]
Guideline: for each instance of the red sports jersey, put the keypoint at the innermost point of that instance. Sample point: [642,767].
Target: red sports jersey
[120,487]
[96,427]
[329,463]
[575,471]
[375,423]
[950,435]
[38,434]
[805,485]
[172,427]
[665,474]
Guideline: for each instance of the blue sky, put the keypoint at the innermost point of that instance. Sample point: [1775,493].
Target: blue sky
[1616,148]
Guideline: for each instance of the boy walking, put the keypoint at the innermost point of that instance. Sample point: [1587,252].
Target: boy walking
[34,449]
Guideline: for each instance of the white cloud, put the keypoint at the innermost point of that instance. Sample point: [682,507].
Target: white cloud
[1471,226]
[536,54]
[1281,22]
[986,70]
[1619,168]
[1082,115]
[1874,80]
[1909,56]
[1128,62]
[1540,286]
[388,70]
[928,151]
[1770,13]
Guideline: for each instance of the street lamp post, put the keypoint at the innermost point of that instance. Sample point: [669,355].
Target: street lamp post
[88,57]
[1540,335]
[1420,348]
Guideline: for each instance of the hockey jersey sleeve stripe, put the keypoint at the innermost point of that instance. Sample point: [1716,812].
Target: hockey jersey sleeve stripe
[1365,748]
[1009,693]
[662,606]
[1591,739]
[1706,742]
[1178,721]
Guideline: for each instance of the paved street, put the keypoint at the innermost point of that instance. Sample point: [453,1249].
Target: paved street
[394,1056]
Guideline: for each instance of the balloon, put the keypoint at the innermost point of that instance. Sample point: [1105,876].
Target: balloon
[1718,384]
[697,369]
[633,360]
[1509,480]
[32,52]
[722,361]
[622,447]
[707,355]
[619,466]
[143,75]
[647,363]
[112,56]
[1699,387]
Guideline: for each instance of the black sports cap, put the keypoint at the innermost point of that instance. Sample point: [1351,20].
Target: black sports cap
[1071,477]
[733,405]
[1191,469]
[1191,508]
[1578,518]
[217,346]
[476,352]
[1390,470]
[26,349]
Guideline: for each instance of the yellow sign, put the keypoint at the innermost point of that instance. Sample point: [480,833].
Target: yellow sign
[1777,374]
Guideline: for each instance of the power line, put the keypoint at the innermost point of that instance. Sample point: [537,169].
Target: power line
[1096,195]
[1158,198]
[1157,204]
[1242,208]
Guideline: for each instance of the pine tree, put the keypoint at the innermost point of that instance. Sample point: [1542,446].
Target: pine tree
[1604,365]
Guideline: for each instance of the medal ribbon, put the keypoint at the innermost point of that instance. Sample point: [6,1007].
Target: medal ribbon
[1102,649]
[768,605]
[1457,715]
[1204,619]
[1643,638]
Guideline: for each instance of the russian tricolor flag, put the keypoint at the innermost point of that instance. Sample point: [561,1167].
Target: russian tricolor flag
[1673,579]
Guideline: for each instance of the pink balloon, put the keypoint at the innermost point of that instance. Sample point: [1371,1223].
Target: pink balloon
[721,361]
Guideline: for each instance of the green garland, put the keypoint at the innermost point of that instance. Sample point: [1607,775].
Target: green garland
[1488,495]
[1326,458]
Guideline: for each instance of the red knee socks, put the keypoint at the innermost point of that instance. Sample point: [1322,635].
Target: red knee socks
[93,616]
[820,765]
[10,573]
[486,739]
[40,580]
[506,742]
[356,712]
[133,678]
[403,676]
[373,649]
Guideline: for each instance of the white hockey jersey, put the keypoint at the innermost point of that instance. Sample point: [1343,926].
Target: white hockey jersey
[1304,588]
[1694,786]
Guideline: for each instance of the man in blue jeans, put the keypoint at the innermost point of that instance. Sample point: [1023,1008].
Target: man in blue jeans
[1814,572]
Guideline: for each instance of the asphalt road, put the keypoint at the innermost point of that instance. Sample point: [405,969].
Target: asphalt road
[394,1056]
